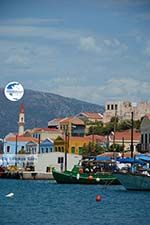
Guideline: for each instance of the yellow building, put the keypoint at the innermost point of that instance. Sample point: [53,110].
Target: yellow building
[76,144]
[59,144]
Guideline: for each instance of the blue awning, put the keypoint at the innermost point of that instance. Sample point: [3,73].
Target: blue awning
[145,158]
[130,160]
[103,158]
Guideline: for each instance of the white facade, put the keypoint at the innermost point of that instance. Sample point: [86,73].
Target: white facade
[145,134]
[57,160]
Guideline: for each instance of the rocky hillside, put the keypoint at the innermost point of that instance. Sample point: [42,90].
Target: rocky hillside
[40,107]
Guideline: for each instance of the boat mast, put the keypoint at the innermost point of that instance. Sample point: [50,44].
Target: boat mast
[132,125]
[114,136]
[66,146]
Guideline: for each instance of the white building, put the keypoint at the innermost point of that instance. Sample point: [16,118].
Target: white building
[46,161]
[145,133]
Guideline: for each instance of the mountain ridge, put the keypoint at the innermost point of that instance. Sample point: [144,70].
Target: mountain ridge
[40,107]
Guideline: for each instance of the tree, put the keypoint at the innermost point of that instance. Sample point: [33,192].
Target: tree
[116,148]
[92,149]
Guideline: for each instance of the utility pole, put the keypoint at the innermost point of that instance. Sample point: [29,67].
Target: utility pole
[16,149]
[66,146]
[123,147]
[132,126]
[39,141]
[114,137]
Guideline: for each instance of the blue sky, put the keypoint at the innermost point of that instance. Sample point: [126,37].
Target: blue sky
[92,50]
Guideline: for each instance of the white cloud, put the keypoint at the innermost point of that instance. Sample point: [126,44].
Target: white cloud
[106,47]
[89,44]
[114,89]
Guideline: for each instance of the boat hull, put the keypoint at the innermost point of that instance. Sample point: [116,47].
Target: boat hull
[133,181]
[68,177]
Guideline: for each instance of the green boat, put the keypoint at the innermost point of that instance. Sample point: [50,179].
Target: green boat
[80,175]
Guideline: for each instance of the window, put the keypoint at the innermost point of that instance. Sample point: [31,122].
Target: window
[55,149]
[46,150]
[8,149]
[80,150]
[145,138]
[112,107]
[60,159]
[108,107]
[116,106]
[72,150]
[142,139]
[62,148]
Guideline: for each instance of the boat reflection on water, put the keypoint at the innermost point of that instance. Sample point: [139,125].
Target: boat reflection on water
[88,171]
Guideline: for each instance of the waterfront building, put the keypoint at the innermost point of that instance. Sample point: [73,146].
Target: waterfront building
[145,133]
[32,147]
[16,144]
[43,133]
[75,145]
[46,161]
[72,126]
[124,138]
[47,146]
[59,144]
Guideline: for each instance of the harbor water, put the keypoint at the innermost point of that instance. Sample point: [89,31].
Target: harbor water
[48,203]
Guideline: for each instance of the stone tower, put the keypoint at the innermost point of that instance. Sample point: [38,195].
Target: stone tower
[21,121]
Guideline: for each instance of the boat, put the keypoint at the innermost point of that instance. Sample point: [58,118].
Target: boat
[87,173]
[136,177]
[134,181]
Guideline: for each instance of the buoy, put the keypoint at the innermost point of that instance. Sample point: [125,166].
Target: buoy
[10,195]
[98,179]
[80,170]
[90,178]
[98,198]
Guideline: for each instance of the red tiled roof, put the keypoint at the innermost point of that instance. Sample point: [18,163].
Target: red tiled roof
[89,138]
[44,129]
[66,119]
[72,119]
[94,138]
[111,154]
[127,135]
[22,138]
[93,115]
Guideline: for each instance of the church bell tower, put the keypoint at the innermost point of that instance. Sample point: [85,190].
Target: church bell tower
[21,121]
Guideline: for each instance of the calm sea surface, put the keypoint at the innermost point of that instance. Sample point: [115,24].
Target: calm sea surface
[47,203]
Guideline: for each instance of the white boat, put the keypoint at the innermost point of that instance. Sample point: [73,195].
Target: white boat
[137,177]
[134,181]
